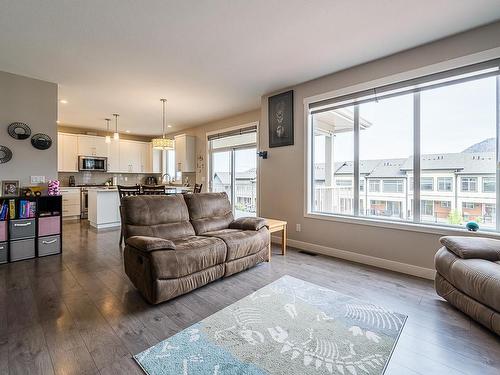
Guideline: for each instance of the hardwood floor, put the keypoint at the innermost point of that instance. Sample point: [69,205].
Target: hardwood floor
[79,314]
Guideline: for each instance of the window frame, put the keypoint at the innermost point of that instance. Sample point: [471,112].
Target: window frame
[470,179]
[483,190]
[427,178]
[380,86]
[444,190]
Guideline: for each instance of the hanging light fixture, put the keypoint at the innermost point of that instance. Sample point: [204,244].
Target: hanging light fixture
[108,137]
[116,135]
[163,143]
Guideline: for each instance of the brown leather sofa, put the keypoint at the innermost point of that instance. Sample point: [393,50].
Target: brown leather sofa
[468,276]
[177,243]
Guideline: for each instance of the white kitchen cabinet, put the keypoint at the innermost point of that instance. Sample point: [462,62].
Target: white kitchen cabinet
[113,155]
[67,152]
[131,156]
[89,145]
[185,153]
[123,156]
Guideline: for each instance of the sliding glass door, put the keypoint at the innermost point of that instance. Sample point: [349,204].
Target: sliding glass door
[233,169]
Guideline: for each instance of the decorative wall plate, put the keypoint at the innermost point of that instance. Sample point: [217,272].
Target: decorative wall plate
[19,130]
[5,154]
[41,141]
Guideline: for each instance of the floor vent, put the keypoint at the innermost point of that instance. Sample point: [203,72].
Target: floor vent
[307,253]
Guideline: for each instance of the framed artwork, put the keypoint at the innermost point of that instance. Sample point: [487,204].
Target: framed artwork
[10,188]
[281,119]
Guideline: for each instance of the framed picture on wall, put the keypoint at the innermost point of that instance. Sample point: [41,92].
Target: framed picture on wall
[281,119]
[10,188]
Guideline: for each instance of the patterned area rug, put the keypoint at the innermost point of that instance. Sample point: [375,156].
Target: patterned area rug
[288,327]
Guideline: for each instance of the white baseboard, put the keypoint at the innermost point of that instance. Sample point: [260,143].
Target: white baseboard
[409,269]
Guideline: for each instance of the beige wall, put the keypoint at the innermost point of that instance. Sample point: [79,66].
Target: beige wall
[34,102]
[282,175]
[200,132]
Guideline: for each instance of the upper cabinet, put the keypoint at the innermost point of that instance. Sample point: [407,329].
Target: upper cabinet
[67,152]
[113,155]
[123,157]
[185,153]
[92,146]
[135,157]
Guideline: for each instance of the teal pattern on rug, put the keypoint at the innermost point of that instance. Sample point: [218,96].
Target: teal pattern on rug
[288,327]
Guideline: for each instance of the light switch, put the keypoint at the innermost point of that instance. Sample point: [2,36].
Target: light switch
[37,179]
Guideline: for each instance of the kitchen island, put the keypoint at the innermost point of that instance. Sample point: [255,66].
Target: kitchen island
[104,208]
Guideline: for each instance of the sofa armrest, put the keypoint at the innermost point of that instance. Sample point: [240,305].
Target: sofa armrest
[473,247]
[148,244]
[248,223]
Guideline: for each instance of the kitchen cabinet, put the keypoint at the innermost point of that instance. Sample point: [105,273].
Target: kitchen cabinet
[113,155]
[92,146]
[131,158]
[67,152]
[71,200]
[185,153]
[124,156]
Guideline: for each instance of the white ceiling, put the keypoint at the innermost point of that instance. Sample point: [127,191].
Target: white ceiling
[211,58]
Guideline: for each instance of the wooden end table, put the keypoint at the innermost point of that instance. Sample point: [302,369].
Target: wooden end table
[277,226]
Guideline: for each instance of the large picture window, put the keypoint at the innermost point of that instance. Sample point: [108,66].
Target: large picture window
[425,149]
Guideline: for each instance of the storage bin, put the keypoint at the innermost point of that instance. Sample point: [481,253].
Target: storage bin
[4,248]
[3,231]
[49,245]
[49,226]
[22,228]
[22,249]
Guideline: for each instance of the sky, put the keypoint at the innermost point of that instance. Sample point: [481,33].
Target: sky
[452,119]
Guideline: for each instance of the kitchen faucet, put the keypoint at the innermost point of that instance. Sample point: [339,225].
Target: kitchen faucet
[168,180]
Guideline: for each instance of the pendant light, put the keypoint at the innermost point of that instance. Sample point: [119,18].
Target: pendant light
[116,135]
[108,137]
[163,143]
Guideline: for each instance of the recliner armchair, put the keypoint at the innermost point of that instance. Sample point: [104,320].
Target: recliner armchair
[468,276]
[177,243]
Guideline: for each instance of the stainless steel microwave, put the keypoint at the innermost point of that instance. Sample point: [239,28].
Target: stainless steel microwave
[92,163]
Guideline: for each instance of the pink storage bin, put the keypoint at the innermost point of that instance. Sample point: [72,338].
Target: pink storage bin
[3,231]
[49,225]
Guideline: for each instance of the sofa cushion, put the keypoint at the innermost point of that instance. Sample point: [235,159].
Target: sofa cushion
[477,278]
[241,243]
[248,223]
[191,254]
[209,211]
[148,244]
[163,216]
[473,247]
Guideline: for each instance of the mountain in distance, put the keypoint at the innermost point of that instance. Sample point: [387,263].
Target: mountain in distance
[488,145]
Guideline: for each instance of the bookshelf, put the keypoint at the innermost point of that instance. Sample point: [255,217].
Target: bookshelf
[30,227]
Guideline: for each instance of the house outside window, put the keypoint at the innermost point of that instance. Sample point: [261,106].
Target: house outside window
[489,184]
[469,184]
[343,183]
[427,207]
[374,186]
[445,184]
[393,186]
[427,184]
[468,205]
[356,133]
[445,204]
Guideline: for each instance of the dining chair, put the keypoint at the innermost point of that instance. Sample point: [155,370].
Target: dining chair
[126,191]
[153,190]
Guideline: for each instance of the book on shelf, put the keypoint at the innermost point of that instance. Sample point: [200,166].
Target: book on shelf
[12,208]
[4,210]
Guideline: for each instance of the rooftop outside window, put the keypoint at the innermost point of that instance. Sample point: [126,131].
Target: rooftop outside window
[450,126]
